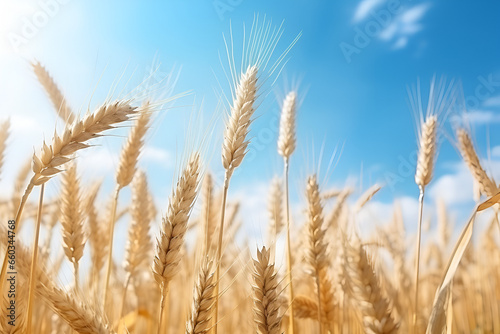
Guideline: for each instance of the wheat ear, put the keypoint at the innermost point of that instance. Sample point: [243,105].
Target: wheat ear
[366,291]
[81,317]
[73,139]
[266,306]
[203,301]
[126,170]
[139,242]
[73,236]
[174,227]
[286,146]
[55,95]
[488,187]
[234,148]
[316,251]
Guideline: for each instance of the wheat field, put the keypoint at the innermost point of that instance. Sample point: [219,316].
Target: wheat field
[194,275]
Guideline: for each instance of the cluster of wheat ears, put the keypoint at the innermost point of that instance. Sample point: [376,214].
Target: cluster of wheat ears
[333,281]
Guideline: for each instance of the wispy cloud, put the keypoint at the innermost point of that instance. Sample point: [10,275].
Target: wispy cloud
[364,9]
[404,25]
[481,117]
[493,101]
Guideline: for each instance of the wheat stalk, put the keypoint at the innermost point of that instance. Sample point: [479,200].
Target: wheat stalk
[203,301]
[234,148]
[423,175]
[208,211]
[286,146]
[266,306]
[174,227]
[54,93]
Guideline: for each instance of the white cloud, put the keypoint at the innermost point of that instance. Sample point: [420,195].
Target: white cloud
[404,25]
[455,188]
[158,156]
[364,9]
[493,101]
[480,117]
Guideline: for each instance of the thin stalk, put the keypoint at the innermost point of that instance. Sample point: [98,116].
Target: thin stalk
[417,262]
[110,244]
[125,287]
[289,249]
[77,277]
[320,311]
[20,210]
[219,248]
[32,285]
[164,292]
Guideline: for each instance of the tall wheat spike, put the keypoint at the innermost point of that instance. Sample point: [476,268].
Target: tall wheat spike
[174,227]
[234,148]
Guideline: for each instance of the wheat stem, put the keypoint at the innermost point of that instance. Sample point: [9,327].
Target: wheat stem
[289,261]
[164,294]
[125,287]
[417,261]
[227,177]
[32,286]
[110,244]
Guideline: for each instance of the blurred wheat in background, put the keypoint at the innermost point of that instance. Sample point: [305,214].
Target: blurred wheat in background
[194,275]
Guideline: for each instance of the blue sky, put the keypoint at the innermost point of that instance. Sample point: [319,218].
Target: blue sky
[358,101]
